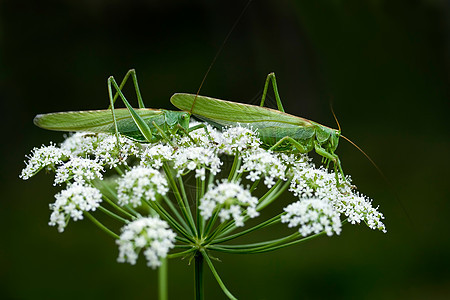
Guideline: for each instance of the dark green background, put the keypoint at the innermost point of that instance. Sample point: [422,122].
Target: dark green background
[384,64]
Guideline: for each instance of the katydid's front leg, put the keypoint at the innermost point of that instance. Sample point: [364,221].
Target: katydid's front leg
[271,77]
[331,156]
[142,126]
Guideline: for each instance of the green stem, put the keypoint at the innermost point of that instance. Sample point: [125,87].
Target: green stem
[271,198]
[110,202]
[166,216]
[119,171]
[234,167]
[111,214]
[271,221]
[163,284]
[100,225]
[183,253]
[198,276]
[186,203]
[200,191]
[176,213]
[216,275]
[113,204]
[281,243]
[180,201]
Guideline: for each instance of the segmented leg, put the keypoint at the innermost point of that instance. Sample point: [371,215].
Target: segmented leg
[142,126]
[271,77]
[131,72]
[332,157]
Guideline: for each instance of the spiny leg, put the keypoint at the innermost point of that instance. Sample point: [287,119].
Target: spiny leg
[271,77]
[131,72]
[142,126]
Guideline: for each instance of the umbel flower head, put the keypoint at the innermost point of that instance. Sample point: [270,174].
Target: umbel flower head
[151,234]
[72,202]
[179,198]
[231,200]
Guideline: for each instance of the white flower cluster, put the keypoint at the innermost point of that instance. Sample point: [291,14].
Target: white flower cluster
[102,146]
[261,163]
[359,208]
[44,157]
[79,169]
[80,143]
[140,183]
[233,140]
[232,200]
[155,155]
[319,183]
[312,216]
[151,234]
[199,137]
[71,202]
[187,159]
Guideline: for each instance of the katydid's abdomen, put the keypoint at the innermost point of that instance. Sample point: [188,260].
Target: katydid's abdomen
[101,121]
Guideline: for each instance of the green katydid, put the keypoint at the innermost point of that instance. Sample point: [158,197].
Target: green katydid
[278,130]
[142,125]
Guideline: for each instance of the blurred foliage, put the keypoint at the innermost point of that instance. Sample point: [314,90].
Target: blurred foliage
[383,63]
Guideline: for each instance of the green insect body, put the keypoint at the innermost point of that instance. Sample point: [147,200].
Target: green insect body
[101,121]
[277,130]
[143,125]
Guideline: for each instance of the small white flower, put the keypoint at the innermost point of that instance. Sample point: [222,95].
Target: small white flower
[71,202]
[151,234]
[312,216]
[140,183]
[232,200]
[44,157]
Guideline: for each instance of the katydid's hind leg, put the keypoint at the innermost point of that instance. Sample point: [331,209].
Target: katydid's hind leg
[271,77]
[140,123]
[111,106]
[131,72]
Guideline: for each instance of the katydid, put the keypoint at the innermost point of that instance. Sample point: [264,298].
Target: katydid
[277,130]
[142,125]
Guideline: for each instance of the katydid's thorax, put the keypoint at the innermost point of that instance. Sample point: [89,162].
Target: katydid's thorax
[174,119]
[326,136]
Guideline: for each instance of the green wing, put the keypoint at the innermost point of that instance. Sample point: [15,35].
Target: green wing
[98,121]
[227,113]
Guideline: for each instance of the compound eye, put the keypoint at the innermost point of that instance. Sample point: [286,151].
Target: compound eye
[184,117]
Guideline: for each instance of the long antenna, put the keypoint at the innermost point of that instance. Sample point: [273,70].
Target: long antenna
[365,154]
[219,51]
[382,175]
[334,115]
